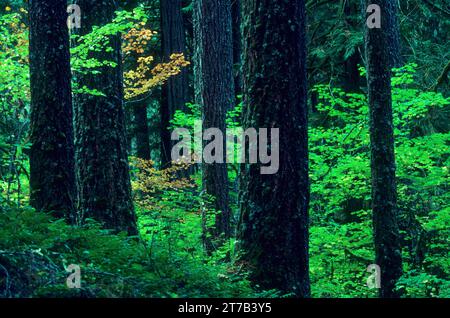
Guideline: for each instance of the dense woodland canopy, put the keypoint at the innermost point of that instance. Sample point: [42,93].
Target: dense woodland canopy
[86,171]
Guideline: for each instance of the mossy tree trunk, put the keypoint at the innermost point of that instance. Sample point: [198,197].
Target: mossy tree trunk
[273,227]
[52,170]
[101,145]
[384,192]
[214,90]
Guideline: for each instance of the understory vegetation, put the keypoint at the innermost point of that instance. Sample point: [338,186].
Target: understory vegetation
[168,257]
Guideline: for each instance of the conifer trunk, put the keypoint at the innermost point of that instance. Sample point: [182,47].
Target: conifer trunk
[384,192]
[52,165]
[101,145]
[273,227]
[214,90]
[175,91]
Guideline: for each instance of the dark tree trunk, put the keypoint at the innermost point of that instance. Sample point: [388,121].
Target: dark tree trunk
[214,90]
[394,41]
[141,130]
[273,228]
[101,145]
[129,123]
[351,76]
[237,45]
[175,91]
[52,170]
[384,193]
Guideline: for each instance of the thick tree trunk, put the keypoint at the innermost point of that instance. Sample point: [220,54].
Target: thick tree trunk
[101,145]
[175,91]
[52,170]
[273,228]
[384,193]
[214,90]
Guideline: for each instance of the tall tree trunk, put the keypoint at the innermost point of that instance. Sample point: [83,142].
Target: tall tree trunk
[384,193]
[175,91]
[237,45]
[129,123]
[141,130]
[101,145]
[214,90]
[273,228]
[52,165]
[394,41]
[351,77]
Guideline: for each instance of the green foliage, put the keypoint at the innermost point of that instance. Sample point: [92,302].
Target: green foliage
[35,250]
[14,106]
[341,232]
[86,56]
[186,119]
[168,258]
[169,209]
[341,244]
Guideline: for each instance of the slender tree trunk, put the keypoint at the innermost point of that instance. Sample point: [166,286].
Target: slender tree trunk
[129,122]
[141,130]
[52,170]
[175,91]
[101,145]
[352,78]
[384,193]
[273,228]
[214,90]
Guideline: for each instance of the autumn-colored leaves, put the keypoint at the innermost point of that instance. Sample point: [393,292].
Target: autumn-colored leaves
[145,76]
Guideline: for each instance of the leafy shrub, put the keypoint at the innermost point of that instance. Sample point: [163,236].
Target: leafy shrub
[35,249]
[341,235]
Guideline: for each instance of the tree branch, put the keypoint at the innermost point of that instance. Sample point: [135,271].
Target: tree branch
[442,78]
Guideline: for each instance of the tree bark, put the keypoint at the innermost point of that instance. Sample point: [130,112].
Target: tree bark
[237,46]
[351,77]
[52,165]
[101,145]
[214,90]
[384,192]
[141,130]
[175,91]
[394,42]
[273,227]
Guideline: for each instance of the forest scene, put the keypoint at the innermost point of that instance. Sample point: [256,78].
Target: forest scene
[224,149]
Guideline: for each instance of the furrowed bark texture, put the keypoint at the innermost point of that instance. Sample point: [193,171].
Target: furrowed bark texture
[101,145]
[384,193]
[175,92]
[52,170]
[273,228]
[214,90]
